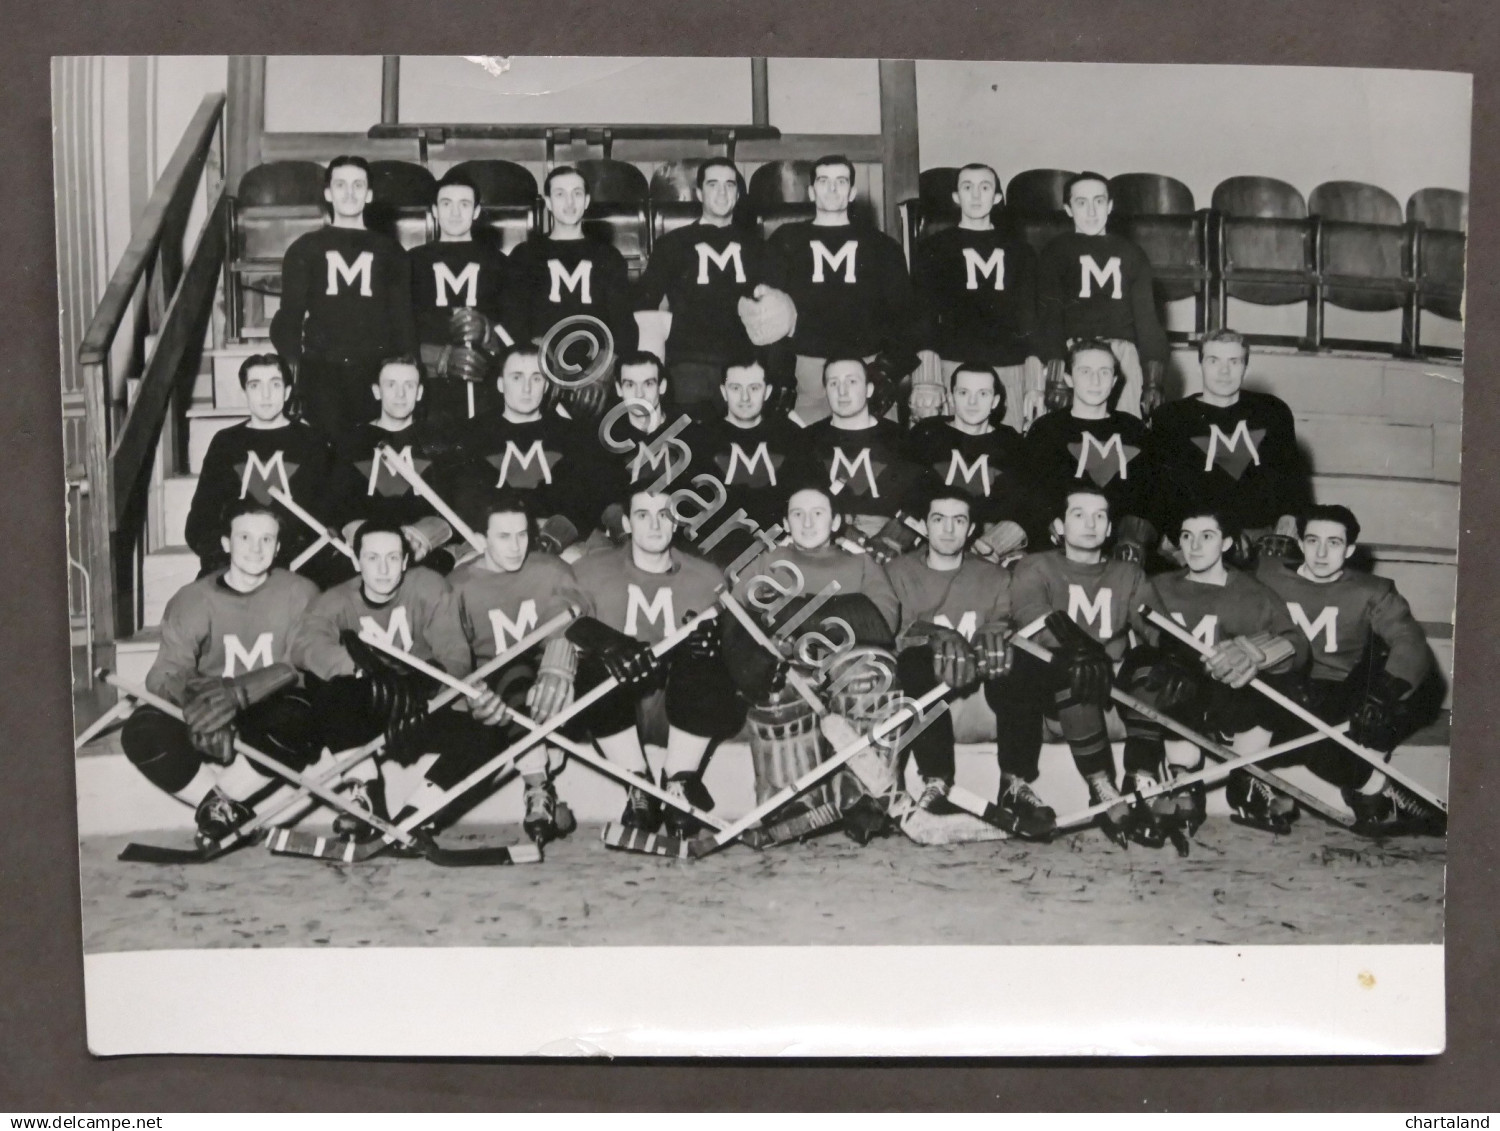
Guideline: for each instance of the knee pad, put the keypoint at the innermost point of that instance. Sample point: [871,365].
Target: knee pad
[159,747]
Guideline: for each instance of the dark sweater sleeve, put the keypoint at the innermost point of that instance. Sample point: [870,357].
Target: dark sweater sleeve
[1024,292]
[621,310]
[1051,340]
[216,483]
[1392,620]
[661,268]
[402,314]
[898,301]
[286,323]
[1150,338]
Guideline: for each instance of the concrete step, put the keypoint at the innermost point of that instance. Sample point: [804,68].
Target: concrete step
[1395,511]
[1427,578]
[204,422]
[1372,445]
[171,499]
[163,572]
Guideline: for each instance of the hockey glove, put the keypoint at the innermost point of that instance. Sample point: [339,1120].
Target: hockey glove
[1153,388]
[397,696]
[893,539]
[953,660]
[466,364]
[1123,551]
[489,709]
[1057,393]
[781,398]
[1280,547]
[426,535]
[993,650]
[553,690]
[1233,662]
[769,316]
[704,642]
[1001,542]
[630,662]
[1375,722]
[1174,680]
[555,534]
[1089,671]
[468,327]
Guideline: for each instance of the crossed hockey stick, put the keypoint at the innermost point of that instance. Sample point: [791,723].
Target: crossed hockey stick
[292,842]
[326,535]
[421,487]
[1325,729]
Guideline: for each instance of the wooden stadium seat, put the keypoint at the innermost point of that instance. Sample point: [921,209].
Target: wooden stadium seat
[932,209]
[1440,209]
[401,195]
[1440,221]
[1354,202]
[1150,194]
[1363,251]
[1158,212]
[276,202]
[778,194]
[1265,248]
[1037,193]
[619,196]
[508,192]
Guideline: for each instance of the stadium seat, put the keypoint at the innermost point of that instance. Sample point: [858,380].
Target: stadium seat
[275,203]
[932,209]
[1440,209]
[1265,253]
[1363,252]
[401,196]
[508,193]
[1033,205]
[618,208]
[1160,215]
[1440,218]
[778,194]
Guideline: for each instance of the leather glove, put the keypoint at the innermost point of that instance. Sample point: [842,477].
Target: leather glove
[704,642]
[953,660]
[1153,388]
[488,709]
[395,694]
[781,398]
[628,661]
[556,534]
[1090,673]
[1374,723]
[993,650]
[469,327]
[1057,393]
[553,690]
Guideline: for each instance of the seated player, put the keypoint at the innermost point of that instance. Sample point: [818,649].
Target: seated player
[978,285]
[864,459]
[524,446]
[956,627]
[1090,445]
[360,692]
[467,303]
[1092,283]
[636,595]
[1252,635]
[246,460]
[702,271]
[369,489]
[974,453]
[345,305]
[566,273]
[1369,655]
[501,597]
[1089,601]
[849,285]
[223,660]
[1229,449]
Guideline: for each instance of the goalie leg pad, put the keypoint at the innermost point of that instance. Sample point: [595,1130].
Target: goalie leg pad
[158,745]
[785,744]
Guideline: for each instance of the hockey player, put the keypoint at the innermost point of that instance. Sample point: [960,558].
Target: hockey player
[702,271]
[1088,444]
[1089,601]
[1095,284]
[502,596]
[345,305]
[1252,635]
[849,285]
[370,489]
[972,452]
[359,692]
[978,287]
[565,273]
[1229,449]
[223,659]
[1369,655]
[246,460]
[636,595]
[467,303]
[956,627]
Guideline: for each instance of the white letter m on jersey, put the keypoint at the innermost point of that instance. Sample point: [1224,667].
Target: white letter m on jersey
[1327,624]
[1092,274]
[577,280]
[237,660]
[360,269]
[1207,629]
[255,467]
[396,634]
[965,626]
[976,267]
[466,280]
[1083,611]
[721,259]
[843,258]
[957,468]
[508,631]
[659,607]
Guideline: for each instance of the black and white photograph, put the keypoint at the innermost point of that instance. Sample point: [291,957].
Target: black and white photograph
[744,556]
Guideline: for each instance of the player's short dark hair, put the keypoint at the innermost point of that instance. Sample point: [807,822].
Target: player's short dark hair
[266,361]
[1224,334]
[377,526]
[401,359]
[990,169]
[979,367]
[560,171]
[859,361]
[1222,517]
[809,482]
[1078,178]
[1067,491]
[721,162]
[640,357]
[511,501]
[935,490]
[519,349]
[1088,345]
[833,159]
[456,178]
[1330,512]
[344,160]
[743,359]
[239,508]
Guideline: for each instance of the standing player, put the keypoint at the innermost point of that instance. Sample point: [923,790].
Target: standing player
[1229,449]
[638,594]
[1252,635]
[501,597]
[369,489]
[849,285]
[246,460]
[978,285]
[1089,602]
[1369,654]
[467,303]
[1094,284]
[1090,445]
[223,659]
[956,627]
[565,273]
[345,304]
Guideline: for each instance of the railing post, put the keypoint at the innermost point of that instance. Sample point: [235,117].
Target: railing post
[97,507]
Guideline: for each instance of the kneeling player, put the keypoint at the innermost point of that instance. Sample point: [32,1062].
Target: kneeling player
[501,597]
[361,692]
[1252,635]
[1369,655]
[636,595]
[223,659]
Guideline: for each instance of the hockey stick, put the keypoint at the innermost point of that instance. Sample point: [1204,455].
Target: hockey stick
[582,753]
[158,854]
[304,844]
[419,485]
[1378,761]
[1202,741]
[115,714]
[326,536]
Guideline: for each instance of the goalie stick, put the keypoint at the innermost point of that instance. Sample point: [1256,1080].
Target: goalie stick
[419,485]
[161,854]
[306,844]
[1327,730]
